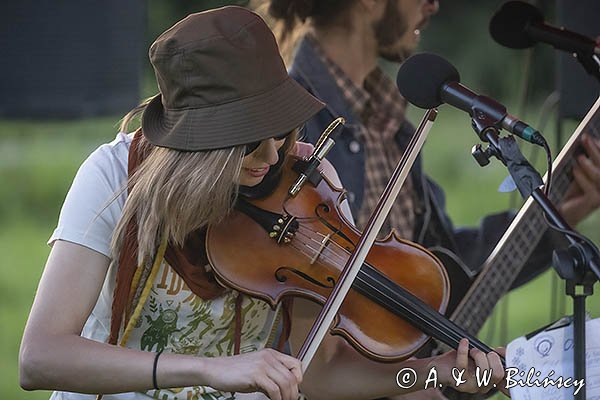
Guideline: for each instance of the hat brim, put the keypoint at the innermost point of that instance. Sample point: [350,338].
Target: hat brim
[259,117]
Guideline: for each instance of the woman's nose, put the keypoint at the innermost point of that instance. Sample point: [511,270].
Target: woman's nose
[267,151]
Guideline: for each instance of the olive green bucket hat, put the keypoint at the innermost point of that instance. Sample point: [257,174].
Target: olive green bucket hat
[222,83]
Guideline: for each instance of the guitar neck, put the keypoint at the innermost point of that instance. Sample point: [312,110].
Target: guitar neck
[518,242]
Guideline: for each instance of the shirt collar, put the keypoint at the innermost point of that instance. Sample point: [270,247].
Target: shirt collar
[356,96]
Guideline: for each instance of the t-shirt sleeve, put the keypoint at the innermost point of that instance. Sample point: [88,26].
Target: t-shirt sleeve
[95,200]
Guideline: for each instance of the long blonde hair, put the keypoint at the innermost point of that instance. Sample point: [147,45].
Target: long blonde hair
[174,193]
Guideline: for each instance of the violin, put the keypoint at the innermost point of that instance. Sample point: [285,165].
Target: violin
[279,246]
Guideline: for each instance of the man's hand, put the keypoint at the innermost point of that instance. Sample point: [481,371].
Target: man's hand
[583,196]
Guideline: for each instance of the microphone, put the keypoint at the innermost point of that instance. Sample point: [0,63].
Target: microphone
[519,25]
[428,80]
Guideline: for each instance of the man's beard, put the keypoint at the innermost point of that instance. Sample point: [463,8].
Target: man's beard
[397,55]
[388,31]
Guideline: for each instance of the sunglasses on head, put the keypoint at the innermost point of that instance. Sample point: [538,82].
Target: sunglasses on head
[254,145]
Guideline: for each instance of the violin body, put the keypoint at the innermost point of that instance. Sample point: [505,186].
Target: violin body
[301,248]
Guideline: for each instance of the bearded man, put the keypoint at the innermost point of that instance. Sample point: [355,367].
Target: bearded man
[336,59]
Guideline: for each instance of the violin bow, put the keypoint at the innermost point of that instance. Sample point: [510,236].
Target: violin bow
[358,256]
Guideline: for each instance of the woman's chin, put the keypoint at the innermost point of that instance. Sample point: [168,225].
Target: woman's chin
[251,181]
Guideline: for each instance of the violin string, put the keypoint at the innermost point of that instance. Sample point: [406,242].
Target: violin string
[453,329]
[359,278]
[438,332]
[342,257]
[373,288]
[417,303]
[304,244]
[341,261]
[432,314]
[310,255]
[415,317]
[453,337]
[369,266]
[301,250]
[345,251]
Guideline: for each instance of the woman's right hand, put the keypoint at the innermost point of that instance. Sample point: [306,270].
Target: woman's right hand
[55,357]
[268,371]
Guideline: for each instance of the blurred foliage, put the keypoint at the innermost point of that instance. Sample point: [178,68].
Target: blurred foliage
[38,162]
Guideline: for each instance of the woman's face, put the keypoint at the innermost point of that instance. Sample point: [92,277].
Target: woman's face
[256,164]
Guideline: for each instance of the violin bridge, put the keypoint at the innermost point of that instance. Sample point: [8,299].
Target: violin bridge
[321,248]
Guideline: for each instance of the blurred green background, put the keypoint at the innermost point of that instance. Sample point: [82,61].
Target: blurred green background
[38,160]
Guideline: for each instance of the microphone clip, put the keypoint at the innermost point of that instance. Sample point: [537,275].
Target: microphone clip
[308,168]
[488,131]
[482,155]
[486,116]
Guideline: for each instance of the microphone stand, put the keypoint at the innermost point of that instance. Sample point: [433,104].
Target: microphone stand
[579,264]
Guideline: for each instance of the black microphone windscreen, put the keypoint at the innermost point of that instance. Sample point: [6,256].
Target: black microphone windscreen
[508,25]
[421,77]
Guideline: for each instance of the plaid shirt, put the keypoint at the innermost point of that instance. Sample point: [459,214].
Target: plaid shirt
[381,109]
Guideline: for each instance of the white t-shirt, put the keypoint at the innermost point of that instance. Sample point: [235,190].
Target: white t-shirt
[173,318]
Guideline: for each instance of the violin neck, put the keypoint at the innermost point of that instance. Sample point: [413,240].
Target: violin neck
[385,292]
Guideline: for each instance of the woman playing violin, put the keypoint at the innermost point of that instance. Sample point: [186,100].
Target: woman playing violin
[127,306]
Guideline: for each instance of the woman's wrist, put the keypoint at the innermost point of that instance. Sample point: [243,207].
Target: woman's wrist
[199,370]
[177,370]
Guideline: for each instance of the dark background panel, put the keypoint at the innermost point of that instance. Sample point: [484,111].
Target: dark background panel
[70,58]
[578,89]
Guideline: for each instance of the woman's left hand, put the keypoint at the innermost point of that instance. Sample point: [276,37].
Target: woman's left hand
[458,368]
